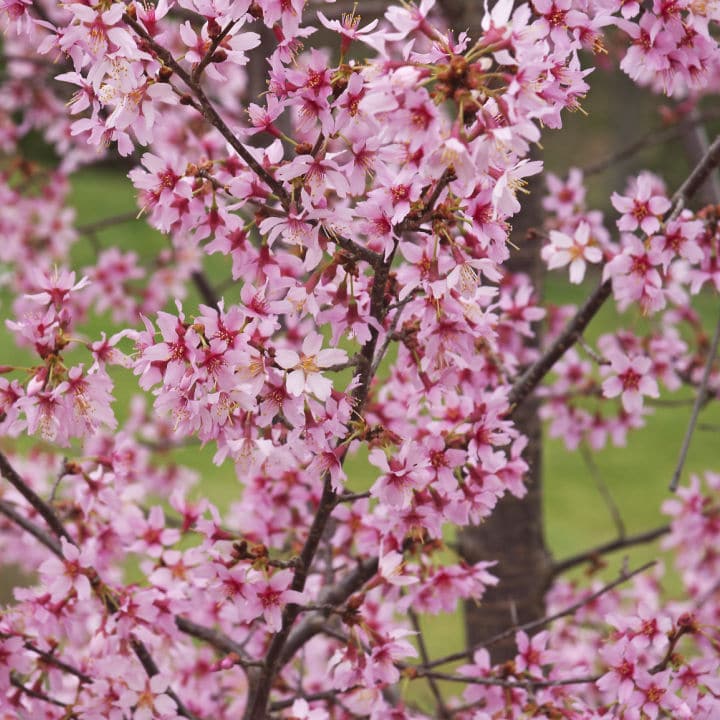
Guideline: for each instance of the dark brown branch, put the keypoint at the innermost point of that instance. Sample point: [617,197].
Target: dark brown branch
[532,377]
[217,639]
[206,290]
[30,527]
[547,620]
[332,596]
[102,592]
[45,511]
[414,222]
[50,659]
[214,45]
[38,695]
[620,543]
[208,111]
[574,329]
[697,177]
[358,251]
[330,695]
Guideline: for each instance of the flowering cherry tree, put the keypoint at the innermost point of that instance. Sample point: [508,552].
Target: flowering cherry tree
[362,207]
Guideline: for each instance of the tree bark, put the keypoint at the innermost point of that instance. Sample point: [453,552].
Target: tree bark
[513,535]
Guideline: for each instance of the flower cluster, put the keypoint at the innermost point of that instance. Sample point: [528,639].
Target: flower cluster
[335,281]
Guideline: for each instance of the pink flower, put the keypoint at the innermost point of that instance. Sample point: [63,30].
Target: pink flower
[391,569]
[643,208]
[404,472]
[146,698]
[631,380]
[305,367]
[69,573]
[575,251]
[269,597]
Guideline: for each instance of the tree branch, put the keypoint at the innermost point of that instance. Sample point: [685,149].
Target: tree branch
[217,639]
[699,400]
[430,676]
[206,290]
[45,511]
[620,543]
[697,177]
[102,592]
[208,111]
[542,622]
[529,684]
[532,377]
[38,695]
[655,137]
[30,527]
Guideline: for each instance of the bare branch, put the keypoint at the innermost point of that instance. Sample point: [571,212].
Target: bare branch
[697,177]
[547,620]
[105,223]
[214,45]
[430,676]
[699,399]
[50,659]
[604,491]
[208,111]
[103,593]
[45,511]
[217,639]
[38,695]
[30,527]
[532,377]
[654,137]
[529,684]
[620,543]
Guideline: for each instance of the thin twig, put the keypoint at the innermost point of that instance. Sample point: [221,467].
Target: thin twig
[208,111]
[105,223]
[45,511]
[531,378]
[50,659]
[330,695]
[603,489]
[547,620]
[30,527]
[102,592]
[431,679]
[529,684]
[217,639]
[592,554]
[697,406]
[695,180]
[214,45]
[38,695]
[654,137]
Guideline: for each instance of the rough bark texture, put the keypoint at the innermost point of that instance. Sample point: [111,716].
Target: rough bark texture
[513,535]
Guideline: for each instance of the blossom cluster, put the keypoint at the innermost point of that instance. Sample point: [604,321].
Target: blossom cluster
[335,281]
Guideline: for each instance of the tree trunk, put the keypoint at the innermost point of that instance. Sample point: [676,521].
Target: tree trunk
[513,535]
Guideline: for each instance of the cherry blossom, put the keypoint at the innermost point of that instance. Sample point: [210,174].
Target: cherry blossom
[327,277]
[575,251]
